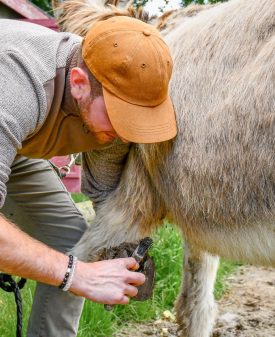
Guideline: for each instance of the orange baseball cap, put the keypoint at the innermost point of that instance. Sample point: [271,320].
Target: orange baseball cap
[133,64]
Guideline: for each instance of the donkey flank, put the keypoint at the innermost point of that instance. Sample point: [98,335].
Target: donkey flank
[216,180]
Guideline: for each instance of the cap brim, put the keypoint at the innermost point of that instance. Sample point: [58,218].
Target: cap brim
[139,124]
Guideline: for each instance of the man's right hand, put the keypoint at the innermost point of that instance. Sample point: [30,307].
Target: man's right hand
[107,282]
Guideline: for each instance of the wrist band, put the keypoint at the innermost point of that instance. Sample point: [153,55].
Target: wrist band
[68,278]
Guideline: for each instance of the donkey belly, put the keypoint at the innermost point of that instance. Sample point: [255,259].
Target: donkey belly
[252,243]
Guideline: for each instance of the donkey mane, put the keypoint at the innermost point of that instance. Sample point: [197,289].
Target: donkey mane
[78,16]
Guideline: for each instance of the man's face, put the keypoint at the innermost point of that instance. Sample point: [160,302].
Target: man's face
[92,110]
[95,117]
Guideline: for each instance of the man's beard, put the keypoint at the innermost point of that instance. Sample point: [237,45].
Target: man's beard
[101,137]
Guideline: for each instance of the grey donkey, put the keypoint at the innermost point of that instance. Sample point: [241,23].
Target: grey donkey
[216,179]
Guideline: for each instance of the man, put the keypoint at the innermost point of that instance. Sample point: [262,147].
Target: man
[59,97]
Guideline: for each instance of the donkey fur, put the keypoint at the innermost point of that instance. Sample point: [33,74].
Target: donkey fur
[216,179]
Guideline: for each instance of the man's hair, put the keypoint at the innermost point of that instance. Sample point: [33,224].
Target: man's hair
[96,87]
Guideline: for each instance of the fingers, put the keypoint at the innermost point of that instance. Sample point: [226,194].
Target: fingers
[136,279]
[109,282]
[136,267]
[131,263]
[131,291]
[124,300]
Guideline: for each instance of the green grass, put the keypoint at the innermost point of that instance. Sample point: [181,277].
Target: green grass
[96,322]
[225,269]
[79,197]
[8,310]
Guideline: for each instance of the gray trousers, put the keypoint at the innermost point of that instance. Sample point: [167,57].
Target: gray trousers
[39,204]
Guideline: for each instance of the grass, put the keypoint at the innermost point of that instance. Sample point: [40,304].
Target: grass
[79,197]
[167,253]
[167,248]
[8,310]
[168,256]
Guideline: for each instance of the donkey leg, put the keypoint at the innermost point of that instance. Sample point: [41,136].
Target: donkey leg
[108,229]
[196,308]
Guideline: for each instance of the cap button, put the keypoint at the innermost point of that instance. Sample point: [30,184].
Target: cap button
[146,32]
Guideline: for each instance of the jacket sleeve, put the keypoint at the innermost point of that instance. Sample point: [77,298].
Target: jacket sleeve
[19,111]
[101,170]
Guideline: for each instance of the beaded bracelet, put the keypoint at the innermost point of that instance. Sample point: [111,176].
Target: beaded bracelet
[68,278]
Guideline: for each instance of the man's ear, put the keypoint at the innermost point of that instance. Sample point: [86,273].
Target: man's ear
[80,84]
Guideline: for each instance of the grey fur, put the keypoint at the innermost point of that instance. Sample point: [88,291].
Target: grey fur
[216,180]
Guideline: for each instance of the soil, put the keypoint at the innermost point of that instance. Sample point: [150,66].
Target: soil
[246,310]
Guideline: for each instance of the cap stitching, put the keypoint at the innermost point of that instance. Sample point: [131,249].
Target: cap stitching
[162,40]
[162,66]
[159,129]
[145,106]
[131,54]
[100,37]
[161,43]
[134,48]
[123,66]
[150,129]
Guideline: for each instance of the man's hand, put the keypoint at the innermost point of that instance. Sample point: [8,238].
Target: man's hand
[107,282]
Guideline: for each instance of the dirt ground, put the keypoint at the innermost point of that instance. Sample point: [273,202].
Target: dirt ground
[246,310]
